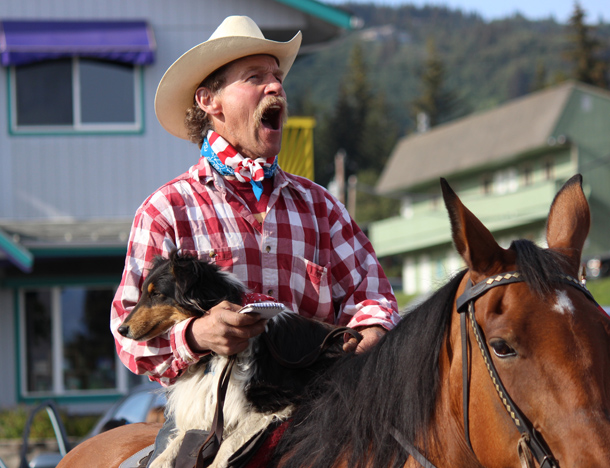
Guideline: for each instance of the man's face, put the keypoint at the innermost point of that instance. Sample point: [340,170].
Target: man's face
[249,111]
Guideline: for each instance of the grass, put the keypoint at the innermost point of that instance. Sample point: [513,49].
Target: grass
[13,421]
[600,288]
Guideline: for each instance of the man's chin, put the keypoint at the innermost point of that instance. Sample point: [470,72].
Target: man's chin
[271,143]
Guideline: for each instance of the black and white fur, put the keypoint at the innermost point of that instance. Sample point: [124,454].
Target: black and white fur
[260,390]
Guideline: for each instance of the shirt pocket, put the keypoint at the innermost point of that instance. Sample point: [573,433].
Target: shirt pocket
[225,257]
[311,290]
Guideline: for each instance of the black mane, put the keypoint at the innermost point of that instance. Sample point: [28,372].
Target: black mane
[539,267]
[395,384]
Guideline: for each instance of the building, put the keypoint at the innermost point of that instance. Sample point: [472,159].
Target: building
[80,149]
[506,165]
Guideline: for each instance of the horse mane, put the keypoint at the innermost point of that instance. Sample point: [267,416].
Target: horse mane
[394,384]
[356,401]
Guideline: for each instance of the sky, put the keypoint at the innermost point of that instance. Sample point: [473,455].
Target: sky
[561,10]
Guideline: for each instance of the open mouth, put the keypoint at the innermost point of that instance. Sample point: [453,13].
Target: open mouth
[272,117]
[272,114]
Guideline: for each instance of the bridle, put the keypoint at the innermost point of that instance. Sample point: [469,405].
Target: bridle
[531,442]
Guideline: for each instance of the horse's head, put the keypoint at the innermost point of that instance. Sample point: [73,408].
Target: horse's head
[547,339]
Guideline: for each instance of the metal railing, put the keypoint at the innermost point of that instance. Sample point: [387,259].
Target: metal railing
[58,428]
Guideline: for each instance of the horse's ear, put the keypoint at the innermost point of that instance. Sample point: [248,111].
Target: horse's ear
[569,221]
[472,240]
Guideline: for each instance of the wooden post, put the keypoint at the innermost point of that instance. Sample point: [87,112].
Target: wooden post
[340,174]
[352,183]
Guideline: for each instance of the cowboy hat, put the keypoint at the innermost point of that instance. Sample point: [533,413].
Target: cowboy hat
[236,37]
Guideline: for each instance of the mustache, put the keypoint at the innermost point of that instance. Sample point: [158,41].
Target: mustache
[267,104]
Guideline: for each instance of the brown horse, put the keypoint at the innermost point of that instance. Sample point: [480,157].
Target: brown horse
[542,392]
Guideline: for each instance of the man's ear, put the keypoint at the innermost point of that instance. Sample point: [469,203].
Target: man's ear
[208,101]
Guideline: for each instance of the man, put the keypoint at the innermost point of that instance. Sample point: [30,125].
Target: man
[282,235]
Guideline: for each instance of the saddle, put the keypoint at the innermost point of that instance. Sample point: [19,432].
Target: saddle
[196,453]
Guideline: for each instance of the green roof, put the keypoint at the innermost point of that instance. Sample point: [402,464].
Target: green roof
[325,12]
[17,254]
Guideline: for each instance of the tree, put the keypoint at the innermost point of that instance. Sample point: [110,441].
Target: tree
[360,124]
[587,67]
[435,102]
[540,78]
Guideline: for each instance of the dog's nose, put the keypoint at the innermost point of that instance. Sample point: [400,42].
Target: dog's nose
[124,330]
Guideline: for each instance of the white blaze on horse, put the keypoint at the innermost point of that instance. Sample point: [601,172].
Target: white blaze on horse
[505,366]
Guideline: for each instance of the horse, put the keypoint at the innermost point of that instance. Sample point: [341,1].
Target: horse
[432,394]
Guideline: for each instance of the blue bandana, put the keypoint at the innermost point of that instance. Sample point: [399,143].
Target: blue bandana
[257,186]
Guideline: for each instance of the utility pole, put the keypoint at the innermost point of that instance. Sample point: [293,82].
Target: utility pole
[352,183]
[340,174]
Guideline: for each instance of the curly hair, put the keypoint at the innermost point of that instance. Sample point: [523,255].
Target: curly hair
[196,120]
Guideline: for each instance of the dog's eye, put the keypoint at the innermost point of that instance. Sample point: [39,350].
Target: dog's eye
[155,294]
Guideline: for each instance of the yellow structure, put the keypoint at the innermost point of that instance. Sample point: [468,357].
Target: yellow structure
[296,155]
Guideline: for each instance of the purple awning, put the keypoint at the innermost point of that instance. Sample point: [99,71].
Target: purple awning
[23,42]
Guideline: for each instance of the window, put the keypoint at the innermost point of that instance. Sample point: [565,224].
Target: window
[505,181]
[75,94]
[67,347]
[527,175]
[486,184]
[548,169]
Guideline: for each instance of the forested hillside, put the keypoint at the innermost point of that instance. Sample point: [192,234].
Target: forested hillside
[486,63]
[363,87]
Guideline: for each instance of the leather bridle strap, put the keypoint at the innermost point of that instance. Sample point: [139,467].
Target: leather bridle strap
[409,447]
[465,304]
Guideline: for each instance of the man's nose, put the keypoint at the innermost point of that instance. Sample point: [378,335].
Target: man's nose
[274,87]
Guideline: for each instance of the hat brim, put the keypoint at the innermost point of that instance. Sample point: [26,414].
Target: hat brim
[177,88]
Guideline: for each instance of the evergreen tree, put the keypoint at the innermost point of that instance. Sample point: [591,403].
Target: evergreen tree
[540,78]
[359,124]
[435,102]
[583,51]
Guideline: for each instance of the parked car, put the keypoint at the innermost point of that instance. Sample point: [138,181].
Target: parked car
[144,403]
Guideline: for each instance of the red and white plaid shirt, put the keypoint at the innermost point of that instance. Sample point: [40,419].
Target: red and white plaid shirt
[307,254]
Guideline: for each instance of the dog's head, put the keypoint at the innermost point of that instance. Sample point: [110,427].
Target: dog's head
[175,289]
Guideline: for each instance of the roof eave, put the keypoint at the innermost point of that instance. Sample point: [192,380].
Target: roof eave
[330,14]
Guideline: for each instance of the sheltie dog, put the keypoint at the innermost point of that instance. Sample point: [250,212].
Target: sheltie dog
[262,389]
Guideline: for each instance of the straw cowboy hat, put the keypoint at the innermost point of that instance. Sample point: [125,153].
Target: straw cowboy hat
[236,37]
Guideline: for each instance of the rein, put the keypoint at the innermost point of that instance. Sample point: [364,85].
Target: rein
[311,357]
[531,442]
[214,438]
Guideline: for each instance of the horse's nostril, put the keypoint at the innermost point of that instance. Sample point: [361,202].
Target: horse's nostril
[123,330]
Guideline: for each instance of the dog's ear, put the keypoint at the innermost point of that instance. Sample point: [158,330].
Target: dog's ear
[186,272]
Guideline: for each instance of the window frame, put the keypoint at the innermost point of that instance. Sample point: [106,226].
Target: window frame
[77,127]
[58,391]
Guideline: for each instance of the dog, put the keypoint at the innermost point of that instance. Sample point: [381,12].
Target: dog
[262,389]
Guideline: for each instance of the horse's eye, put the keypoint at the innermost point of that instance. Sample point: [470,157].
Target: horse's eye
[502,349]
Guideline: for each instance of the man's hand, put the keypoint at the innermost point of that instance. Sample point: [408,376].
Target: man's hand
[223,330]
[370,336]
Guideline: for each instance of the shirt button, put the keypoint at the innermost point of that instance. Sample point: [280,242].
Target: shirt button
[212,253]
[268,248]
